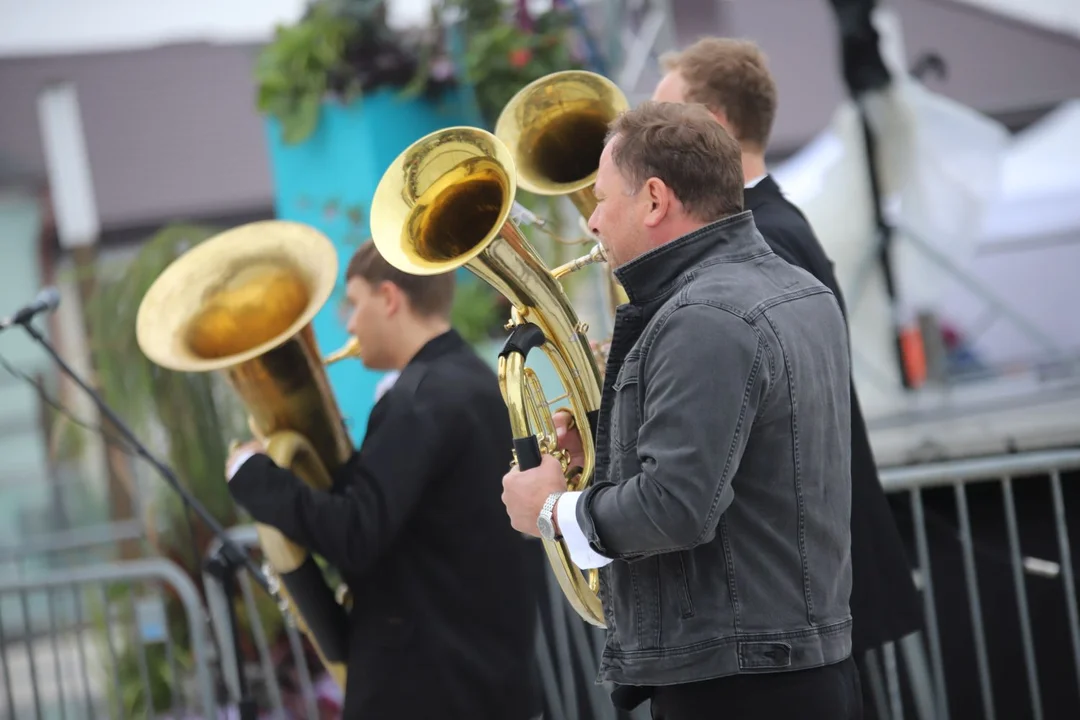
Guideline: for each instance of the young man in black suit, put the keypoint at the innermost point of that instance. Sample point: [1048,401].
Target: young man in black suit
[731,78]
[443,615]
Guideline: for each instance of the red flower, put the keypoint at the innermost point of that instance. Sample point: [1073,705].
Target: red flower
[520,57]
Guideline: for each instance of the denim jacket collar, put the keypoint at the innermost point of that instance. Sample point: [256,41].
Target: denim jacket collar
[652,274]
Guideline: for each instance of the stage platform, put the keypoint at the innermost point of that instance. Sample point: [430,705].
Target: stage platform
[980,418]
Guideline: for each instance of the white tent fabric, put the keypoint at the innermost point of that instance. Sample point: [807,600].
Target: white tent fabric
[939,164]
[1029,248]
[1061,16]
[1002,210]
[1041,180]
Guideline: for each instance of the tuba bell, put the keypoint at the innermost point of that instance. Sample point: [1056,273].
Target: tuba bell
[445,203]
[241,303]
[554,128]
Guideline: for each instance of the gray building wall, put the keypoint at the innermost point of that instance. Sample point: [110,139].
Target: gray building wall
[173,131]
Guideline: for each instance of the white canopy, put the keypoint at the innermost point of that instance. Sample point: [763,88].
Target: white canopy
[1028,252]
[1040,181]
[1055,15]
[939,165]
[988,238]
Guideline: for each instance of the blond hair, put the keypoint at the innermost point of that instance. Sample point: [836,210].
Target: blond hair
[730,76]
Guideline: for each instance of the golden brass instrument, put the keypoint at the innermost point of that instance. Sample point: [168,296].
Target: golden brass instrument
[554,128]
[350,349]
[242,303]
[445,203]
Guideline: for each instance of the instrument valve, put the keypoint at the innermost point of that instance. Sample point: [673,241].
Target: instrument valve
[272,583]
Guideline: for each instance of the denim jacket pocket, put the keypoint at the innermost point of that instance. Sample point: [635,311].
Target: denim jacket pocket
[626,415]
[677,600]
[683,586]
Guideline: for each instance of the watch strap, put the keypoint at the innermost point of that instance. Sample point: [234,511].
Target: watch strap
[548,512]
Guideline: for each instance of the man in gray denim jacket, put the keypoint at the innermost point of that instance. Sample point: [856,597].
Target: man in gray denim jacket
[720,512]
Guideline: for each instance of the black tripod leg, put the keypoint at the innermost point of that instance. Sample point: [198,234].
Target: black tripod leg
[225,571]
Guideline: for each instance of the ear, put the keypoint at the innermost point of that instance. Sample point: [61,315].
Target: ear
[659,197]
[391,296]
[722,118]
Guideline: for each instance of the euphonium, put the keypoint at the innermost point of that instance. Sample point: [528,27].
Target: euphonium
[444,203]
[242,303]
[554,128]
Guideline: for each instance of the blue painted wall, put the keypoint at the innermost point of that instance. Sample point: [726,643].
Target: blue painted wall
[328,181]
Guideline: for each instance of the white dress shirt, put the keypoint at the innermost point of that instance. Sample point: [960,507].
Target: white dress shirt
[566,509]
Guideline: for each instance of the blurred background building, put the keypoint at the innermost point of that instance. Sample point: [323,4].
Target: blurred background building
[130,130]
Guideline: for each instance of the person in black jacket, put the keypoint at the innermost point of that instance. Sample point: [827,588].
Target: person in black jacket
[443,615]
[731,78]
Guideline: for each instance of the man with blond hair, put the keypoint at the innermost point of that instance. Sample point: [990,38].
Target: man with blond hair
[719,509]
[732,80]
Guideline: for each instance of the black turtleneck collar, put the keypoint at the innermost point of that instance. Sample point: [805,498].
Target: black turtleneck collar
[732,239]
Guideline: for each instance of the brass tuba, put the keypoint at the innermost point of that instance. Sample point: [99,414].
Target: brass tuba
[554,128]
[445,203]
[242,303]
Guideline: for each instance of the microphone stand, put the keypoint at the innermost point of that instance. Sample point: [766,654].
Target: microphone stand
[224,564]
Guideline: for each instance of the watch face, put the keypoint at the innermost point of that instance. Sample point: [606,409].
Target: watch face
[547,531]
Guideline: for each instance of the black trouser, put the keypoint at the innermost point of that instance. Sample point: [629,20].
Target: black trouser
[832,692]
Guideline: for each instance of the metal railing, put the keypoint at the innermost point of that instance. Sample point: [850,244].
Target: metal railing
[107,648]
[966,478]
[567,652]
[49,669]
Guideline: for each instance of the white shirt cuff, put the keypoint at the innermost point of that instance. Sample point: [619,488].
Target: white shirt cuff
[240,460]
[580,553]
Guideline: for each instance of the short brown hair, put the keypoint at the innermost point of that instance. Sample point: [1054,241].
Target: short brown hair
[429,295]
[687,149]
[729,76]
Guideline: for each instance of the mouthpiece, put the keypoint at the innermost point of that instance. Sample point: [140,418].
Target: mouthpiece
[349,349]
[596,256]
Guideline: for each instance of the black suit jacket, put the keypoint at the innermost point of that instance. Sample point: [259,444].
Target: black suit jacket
[443,619]
[884,601]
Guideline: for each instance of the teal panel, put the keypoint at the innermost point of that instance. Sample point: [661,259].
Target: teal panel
[24,481]
[328,181]
[20,275]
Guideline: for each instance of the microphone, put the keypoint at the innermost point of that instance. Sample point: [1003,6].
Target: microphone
[46,301]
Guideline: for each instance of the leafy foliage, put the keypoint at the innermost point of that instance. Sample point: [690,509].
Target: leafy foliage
[294,72]
[341,49]
[338,50]
[192,415]
[479,311]
[502,57]
[192,411]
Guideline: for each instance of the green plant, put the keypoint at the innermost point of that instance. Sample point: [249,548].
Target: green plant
[195,413]
[479,311]
[188,417]
[501,57]
[294,72]
[339,50]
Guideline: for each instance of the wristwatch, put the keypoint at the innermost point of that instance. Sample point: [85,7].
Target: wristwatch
[546,522]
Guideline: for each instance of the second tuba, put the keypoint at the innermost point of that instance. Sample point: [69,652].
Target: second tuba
[554,128]
[445,203]
[241,303]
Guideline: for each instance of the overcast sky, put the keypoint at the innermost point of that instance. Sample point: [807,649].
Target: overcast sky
[43,27]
